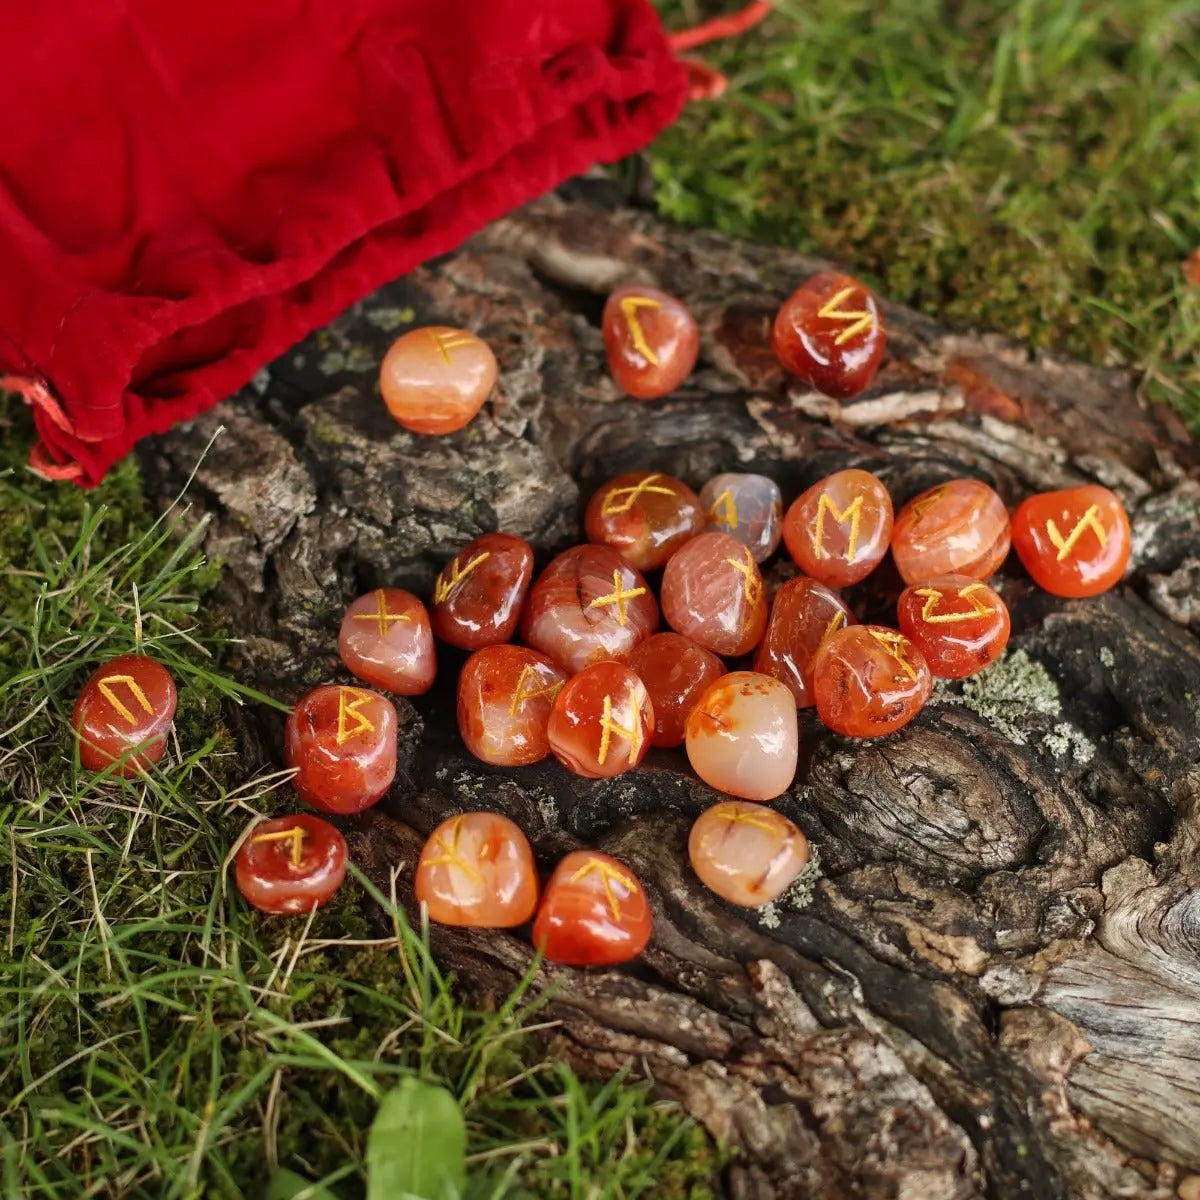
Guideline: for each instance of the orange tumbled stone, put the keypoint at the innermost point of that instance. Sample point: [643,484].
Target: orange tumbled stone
[838,531]
[123,715]
[675,671]
[956,528]
[747,853]
[477,869]
[959,624]
[645,516]
[652,341]
[803,614]
[601,721]
[435,379]
[594,912]
[477,597]
[712,592]
[1074,542]
[829,333]
[291,865]
[868,681]
[505,694]
[742,736]
[588,605]
[342,742]
[386,640]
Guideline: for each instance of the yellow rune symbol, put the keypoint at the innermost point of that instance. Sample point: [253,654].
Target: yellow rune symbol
[381,614]
[445,340]
[724,510]
[523,692]
[860,319]
[608,727]
[451,855]
[752,581]
[621,500]
[608,876]
[295,835]
[933,598]
[443,587]
[739,816]
[618,596]
[629,308]
[1089,520]
[835,623]
[106,686]
[923,504]
[362,723]
[896,644]
[852,513]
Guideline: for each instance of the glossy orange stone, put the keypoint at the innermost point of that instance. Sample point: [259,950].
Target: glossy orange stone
[342,740]
[829,333]
[588,605]
[747,507]
[839,530]
[386,640]
[505,694]
[594,912]
[959,624]
[675,671]
[747,853]
[435,379]
[803,614]
[601,721]
[956,528]
[712,592]
[868,681]
[652,341]
[477,597]
[645,515]
[1074,542]
[477,869]
[290,865]
[123,715]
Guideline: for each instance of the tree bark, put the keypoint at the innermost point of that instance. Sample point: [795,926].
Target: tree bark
[994,987]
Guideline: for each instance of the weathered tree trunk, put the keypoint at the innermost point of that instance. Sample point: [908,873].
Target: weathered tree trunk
[995,989]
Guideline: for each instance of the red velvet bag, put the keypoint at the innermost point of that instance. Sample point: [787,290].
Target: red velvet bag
[186,190]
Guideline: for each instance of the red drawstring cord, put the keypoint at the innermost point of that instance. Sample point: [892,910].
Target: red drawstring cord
[36,393]
[40,463]
[705,82]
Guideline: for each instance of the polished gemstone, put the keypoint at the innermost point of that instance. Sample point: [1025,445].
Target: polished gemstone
[477,597]
[712,592]
[505,694]
[838,531]
[435,379]
[124,714]
[386,640]
[594,912]
[588,605]
[747,853]
[342,742]
[747,507]
[959,624]
[652,341]
[956,528]
[1074,542]
[829,333]
[477,869]
[675,671]
[645,515]
[601,721]
[742,736]
[290,865]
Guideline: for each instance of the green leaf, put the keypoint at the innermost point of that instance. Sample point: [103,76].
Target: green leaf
[287,1185]
[418,1145]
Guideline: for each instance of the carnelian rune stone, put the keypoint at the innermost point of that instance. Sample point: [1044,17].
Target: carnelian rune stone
[652,341]
[959,624]
[1074,542]
[342,742]
[594,912]
[291,865]
[645,516]
[956,528]
[829,333]
[747,853]
[386,640]
[676,671]
[588,605]
[747,507]
[505,694]
[868,681]
[123,715]
[477,869]
[803,614]
[742,736]
[601,721]
[435,379]
[839,530]
[712,592]
[477,597]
